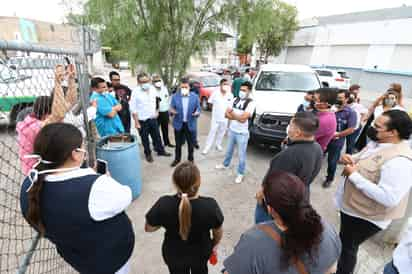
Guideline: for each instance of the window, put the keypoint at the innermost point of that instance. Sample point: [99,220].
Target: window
[210,81]
[343,74]
[324,73]
[287,81]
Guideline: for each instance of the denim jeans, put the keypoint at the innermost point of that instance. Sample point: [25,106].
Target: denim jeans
[390,269]
[261,214]
[351,141]
[241,139]
[334,150]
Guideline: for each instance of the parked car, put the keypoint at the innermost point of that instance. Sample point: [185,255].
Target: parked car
[278,91]
[207,83]
[334,78]
[18,91]
[123,65]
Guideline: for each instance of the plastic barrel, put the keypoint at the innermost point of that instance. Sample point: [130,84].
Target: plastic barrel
[123,162]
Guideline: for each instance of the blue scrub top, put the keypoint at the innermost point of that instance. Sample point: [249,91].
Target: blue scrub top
[106,125]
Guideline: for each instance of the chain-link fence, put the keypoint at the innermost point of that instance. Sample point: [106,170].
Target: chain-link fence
[37,86]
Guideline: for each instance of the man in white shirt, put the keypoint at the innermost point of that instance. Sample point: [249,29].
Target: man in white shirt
[220,100]
[164,105]
[378,183]
[144,111]
[240,111]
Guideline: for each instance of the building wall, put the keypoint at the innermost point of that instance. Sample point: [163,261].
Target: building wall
[374,54]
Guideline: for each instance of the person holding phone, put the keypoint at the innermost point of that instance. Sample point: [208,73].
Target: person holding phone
[185,108]
[193,223]
[78,210]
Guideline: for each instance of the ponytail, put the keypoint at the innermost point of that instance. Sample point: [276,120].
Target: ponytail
[186,178]
[185,217]
[303,234]
[34,213]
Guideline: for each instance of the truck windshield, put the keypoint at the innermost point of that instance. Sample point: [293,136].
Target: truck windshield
[287,81]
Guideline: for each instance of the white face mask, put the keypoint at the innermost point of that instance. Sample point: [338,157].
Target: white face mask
[158,84]
[184,91]
[242,94]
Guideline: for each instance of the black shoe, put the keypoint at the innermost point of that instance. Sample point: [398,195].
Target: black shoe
[327,183]
[165,154]
[149,158]
[170,145]
[174,163]
[197,146]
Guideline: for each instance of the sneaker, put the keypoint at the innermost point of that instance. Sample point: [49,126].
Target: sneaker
[221,166]
[239,179]
[327,183]
[219,148]
[204,152]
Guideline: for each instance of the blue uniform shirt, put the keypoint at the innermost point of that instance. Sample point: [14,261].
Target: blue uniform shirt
[106,125]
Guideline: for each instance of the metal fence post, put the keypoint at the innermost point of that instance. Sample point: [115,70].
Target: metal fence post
[27,258]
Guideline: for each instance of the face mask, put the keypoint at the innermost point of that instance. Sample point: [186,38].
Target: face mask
[339,103]
[34,173]
[242,94]
[389,102]
[288,130]
[146,86]
[184,91]
[372,133]
[306,104]
[158,84]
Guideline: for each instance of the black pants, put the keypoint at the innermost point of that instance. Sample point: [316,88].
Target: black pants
[184,134]
[189,269]
[124,115]
[150,127]
[353,232]
[334,150]
[163,121]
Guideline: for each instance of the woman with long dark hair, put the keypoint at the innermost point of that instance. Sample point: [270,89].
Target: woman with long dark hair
[81,212]
[297,241]
[189,220]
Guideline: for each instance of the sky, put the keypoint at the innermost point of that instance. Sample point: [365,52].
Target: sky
[53,11]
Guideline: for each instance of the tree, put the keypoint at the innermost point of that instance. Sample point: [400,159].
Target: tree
[161,34]
[270,24]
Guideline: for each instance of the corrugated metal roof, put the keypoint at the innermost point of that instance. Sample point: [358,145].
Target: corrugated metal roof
[365,16]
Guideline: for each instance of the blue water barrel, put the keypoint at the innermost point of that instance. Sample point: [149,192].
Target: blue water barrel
[123,158]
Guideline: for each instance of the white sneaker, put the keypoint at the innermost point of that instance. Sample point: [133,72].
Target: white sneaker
[219,148]
[239,179]
[221,167]
[204,152]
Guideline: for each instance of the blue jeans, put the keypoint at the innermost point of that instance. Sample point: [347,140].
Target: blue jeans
[261,214]
[241,139]
[390,269]
[351,141]
[334,150]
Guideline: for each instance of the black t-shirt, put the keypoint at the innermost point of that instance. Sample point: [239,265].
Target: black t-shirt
[206,215]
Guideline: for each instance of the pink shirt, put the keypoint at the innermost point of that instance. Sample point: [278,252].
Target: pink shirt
[327,128]
[27,131]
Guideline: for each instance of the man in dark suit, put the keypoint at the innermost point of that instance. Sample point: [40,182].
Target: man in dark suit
[185,108]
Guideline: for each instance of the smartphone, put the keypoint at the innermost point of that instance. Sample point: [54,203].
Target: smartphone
[101,166]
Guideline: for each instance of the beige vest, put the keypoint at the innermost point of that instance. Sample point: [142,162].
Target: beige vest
[354,200]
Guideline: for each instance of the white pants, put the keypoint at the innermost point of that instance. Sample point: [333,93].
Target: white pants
[217,129]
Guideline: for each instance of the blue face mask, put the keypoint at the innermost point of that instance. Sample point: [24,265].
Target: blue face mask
[306,104]
[146,86]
